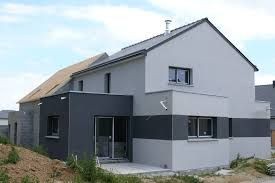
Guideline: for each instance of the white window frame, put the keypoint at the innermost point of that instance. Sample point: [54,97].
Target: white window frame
[198,128]
[189,70]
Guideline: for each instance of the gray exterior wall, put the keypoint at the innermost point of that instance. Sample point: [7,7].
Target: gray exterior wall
[77,114]
[28,124]
[57,148]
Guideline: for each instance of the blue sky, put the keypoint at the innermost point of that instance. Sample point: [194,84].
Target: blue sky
[39,37]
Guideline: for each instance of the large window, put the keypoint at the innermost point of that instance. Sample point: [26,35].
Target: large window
[53,126]
[180,75]
[200,127]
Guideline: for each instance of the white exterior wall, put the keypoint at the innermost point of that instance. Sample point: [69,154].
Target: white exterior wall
[217,70]
[127,79]
[153,152]
[259,147]
[188,155]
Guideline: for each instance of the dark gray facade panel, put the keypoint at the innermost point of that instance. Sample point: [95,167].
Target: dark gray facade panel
[222,127]
[57,148]
[83,109]
[153,127]
[250,127]
[180,127]
[272,124]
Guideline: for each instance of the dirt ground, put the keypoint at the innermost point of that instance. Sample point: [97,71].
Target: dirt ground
[34,165]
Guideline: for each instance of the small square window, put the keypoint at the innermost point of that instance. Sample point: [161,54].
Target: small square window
[200,127]
[53,126]
[180,75]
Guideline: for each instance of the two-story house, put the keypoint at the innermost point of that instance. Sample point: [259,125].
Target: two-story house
[181,100]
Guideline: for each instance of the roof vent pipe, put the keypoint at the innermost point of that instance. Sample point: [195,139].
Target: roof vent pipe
[167,30]
[273,84]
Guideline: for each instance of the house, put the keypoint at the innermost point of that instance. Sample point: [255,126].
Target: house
[267,93]
[4,122]
[180,100]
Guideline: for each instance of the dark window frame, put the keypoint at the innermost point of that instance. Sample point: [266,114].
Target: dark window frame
[107,83]
[197,134]
[176,79]
[50,126]
[80,85]
[230,128]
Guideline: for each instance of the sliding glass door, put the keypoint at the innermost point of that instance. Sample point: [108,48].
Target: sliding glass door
[111,137]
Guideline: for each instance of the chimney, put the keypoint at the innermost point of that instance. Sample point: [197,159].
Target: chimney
[167,30]
[273,84]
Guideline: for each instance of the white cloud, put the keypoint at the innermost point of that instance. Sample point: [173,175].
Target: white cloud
[10,19]
[239,20]
[122,22]
[15,85]
[24,9]
[262,78]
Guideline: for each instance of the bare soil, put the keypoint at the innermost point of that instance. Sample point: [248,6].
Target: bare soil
[35,165]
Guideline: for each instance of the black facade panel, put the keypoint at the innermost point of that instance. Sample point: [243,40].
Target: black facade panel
[54,106]
[83,109]
[180,127]
[250,127]
[153,127]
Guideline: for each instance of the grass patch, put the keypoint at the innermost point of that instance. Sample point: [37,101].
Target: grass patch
[89,172]
[240,164]
[40,150]
[28,179]
[4,140]
[4,178]
[177,179]
[13,156]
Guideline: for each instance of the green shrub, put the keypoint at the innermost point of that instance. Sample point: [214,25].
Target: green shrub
[72,162]
[4,140]
[13,156]
[87,168]
[261,166]
[28,179]
[40,150]
[4,178]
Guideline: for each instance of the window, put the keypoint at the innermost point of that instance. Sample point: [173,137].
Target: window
[230,127]
[180,75]
[80,85]
[107,85]
[53,126]
[200,127]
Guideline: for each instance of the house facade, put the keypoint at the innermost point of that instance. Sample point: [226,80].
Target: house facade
[181,100]
[267,93]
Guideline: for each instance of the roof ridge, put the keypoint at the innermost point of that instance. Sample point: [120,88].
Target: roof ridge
[197,21]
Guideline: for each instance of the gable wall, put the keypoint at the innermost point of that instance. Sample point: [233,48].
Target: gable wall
[218,70]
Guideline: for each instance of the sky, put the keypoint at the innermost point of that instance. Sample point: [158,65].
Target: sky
[38,38]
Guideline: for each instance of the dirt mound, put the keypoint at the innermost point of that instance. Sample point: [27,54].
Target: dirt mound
[35,165]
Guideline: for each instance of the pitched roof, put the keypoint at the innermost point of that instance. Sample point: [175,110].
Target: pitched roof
[4,114]
[149,44]
[59,79]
